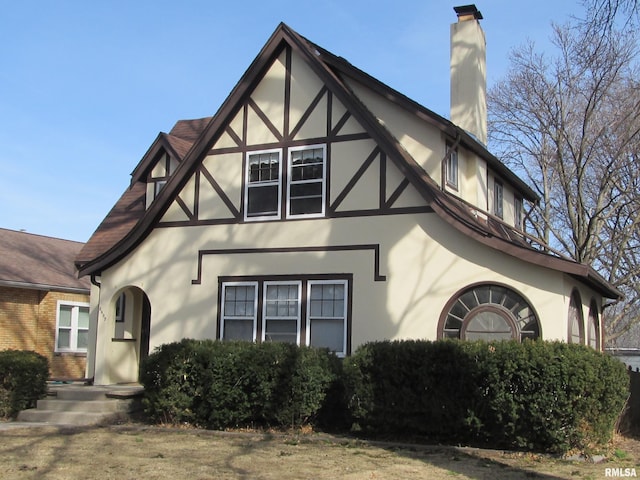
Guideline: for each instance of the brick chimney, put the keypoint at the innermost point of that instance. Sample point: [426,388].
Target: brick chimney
[468,73]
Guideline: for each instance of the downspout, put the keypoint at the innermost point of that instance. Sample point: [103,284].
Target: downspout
[91,375]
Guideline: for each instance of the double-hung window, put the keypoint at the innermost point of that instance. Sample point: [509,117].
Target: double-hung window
[263,186]
[306,181]
[72,327]
[303,174]
[239,311]
[327,315]
[308,311]
[281,312]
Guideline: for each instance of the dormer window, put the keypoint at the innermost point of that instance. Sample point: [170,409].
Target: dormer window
[159,175]
[451,167]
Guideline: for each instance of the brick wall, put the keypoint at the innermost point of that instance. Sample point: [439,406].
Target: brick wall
[28,322]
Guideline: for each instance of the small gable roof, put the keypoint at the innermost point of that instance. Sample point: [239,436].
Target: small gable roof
[128,223]
[39,262]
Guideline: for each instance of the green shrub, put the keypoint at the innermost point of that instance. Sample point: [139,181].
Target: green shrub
[545,396]
[234,384]
[23,380]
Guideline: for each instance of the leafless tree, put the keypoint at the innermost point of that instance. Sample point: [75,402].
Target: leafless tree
[570,123]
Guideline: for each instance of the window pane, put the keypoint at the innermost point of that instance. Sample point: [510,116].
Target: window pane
[65,315]
[239,301]
[328,334]
[238,330]
[83,339]
[64,338]
[263,200]
[281,331]
[305,206]
[83,317]
[303,190]
[264,167]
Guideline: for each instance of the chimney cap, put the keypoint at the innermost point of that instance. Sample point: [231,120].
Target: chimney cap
[468,11]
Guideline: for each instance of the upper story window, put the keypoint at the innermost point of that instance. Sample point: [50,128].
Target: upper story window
[517,212]
[451,167]
[306,181]
[72,327]
[305,176]
[498,199]
[263,186]
[159,176]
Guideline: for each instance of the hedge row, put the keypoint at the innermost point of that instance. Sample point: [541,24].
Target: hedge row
[536,395]
[543,396]
[222,385]
[23,380]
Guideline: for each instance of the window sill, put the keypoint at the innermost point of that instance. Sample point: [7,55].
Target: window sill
[70,354]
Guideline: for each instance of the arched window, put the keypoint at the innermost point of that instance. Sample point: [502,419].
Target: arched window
[488,312]
[576,320]
[593,326]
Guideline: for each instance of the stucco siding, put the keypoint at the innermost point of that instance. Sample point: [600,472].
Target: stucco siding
[424,260]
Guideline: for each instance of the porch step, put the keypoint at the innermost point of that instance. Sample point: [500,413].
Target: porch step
[84,405]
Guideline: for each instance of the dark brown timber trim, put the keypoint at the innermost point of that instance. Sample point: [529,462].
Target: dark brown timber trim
[329,248]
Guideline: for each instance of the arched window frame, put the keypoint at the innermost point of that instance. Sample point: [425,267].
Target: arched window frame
[575,316]
[593,320]
[497,308]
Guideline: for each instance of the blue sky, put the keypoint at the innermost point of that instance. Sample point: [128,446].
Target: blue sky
[86,86]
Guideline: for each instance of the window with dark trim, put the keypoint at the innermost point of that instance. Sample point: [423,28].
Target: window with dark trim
[593,327]
[576,320]
[518,207]
[498,199]
[488,312]
[451,167]
[305,311]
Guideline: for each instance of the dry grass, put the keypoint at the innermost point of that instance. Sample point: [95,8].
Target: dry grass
[135,451]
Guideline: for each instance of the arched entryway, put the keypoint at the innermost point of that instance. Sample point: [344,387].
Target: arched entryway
[126,339]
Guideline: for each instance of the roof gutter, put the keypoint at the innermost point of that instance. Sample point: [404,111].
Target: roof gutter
[43,287]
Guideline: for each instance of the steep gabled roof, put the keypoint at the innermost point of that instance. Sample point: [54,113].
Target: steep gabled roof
[128,223]
[38,262]
[130,208]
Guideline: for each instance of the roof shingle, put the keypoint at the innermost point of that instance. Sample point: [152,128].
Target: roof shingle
[40,262]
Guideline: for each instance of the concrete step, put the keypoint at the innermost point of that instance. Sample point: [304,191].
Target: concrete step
[84,405]
[93,406]
[53,417]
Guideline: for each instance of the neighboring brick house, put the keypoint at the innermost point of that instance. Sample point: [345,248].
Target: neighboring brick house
[43,305]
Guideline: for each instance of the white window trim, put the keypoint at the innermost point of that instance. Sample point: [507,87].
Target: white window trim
[345,283]
[265,318]
[291,182]
[255,306]
[248,218]
[73,340]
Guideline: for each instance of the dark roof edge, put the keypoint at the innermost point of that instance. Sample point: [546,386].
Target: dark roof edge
[430,116]
[583,272]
